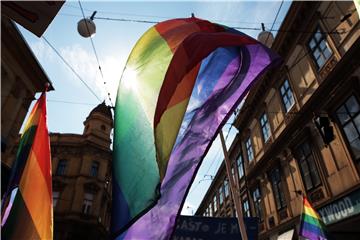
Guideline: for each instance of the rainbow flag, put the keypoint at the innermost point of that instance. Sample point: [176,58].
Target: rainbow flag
[29,212]
[182,80]
[311,226]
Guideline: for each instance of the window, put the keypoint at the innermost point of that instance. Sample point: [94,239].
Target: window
[233,172]
[94,169]
[221,195]
[249,150]
[215,204]
[277,188]
[319,48]
[88,201]
[307,165]
[287,95]
[256,194]
[55,196]
[61,167]
[349,117]
[265,127]
[240,166]
[210,211]
[226,186]
[246,208]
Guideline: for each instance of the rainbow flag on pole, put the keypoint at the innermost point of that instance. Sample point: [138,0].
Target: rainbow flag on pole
[181,83]
[28,213]
[311,226]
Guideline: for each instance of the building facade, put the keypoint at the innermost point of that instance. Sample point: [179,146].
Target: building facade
[299,129]
[81,177]
[21,78]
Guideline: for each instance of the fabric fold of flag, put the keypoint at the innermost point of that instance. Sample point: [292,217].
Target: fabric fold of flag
[181,82]
[311,226]
[29,212]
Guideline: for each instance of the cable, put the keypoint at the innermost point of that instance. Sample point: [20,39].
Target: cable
[71,68]
[276,16]
[96,56]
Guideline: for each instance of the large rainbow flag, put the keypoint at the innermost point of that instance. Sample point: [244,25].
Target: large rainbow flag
[181,82]
[29,213]
[311,226]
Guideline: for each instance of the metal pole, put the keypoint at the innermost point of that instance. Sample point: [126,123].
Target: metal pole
[234,191]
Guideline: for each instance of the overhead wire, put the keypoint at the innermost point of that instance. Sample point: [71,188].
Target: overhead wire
[71,68]
[96,56]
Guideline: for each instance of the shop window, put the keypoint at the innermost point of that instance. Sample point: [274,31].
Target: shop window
[308,168]
[240,165]
[265,127]
[61,167]
[277,188]
[349,118]
[319,48]
[256,194]
[287,95]
[249,149]
[88,202]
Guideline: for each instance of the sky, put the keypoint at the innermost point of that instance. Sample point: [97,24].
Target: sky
[71,102]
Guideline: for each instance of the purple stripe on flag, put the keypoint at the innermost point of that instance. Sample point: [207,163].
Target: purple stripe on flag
[184,161]
[311,235]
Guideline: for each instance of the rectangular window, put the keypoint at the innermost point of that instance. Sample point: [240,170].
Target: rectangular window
[249,150]
[265,127]
[277,188]
[287,95]
[349,117]
[55,196]
[94,169]
[61,167]
[308,168]
[246,208]
[215,204]
[221,195]
[256,194]
[210,211]
[240,165]
[319,48]
[88,201]
[226,186]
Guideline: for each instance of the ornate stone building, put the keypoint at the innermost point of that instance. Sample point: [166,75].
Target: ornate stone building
[299,129]
[82,178]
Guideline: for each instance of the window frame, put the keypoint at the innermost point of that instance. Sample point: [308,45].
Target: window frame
[351,120]
[87,203]
[92,169]
[278,189]
[312,167]
[259,210]
[249,147]
[239,164]
[312,50]
[61,167]
[245,201]
[264,119]
[286,91]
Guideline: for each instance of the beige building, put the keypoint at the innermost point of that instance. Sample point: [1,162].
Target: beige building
[299,129]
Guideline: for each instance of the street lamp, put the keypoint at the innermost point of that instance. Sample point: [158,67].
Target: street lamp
[86,26]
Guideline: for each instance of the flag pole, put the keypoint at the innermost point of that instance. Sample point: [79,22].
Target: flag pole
[234,191]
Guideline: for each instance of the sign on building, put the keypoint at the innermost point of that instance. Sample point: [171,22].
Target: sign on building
[210,228]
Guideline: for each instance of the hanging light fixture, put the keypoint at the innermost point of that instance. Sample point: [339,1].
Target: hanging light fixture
[86,26]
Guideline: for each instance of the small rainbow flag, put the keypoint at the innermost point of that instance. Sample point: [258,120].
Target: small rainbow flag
[28,213]
[311,226]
